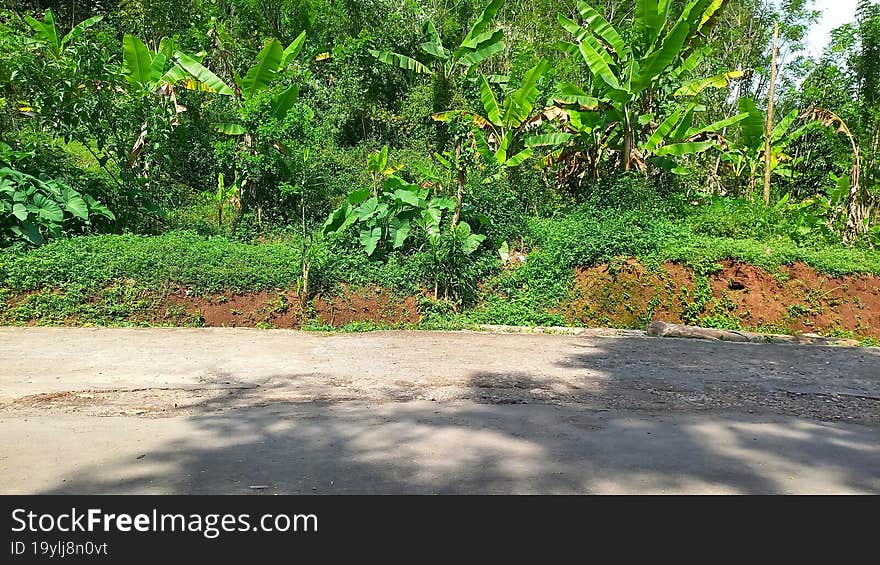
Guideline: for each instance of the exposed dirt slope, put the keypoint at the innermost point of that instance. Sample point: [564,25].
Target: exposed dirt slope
[796,299]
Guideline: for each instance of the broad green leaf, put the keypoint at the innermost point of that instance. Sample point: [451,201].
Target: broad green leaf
[430,33]
[29,231]
[369,239]
[48,210]
[696,86]
[710,11]
[796,134]
[382,162]
[77,207]
[753,125]
[573,28]
[201,74]
[653,65]
[402,61]
[20,211]
[175,75]
[80,28]
[494,44]
[442,160]
[444,203]
[782,127]
[548,139]
[590,50]
[663,130]
[157,69]
[46,30]
[407,197]
[567,47]
[604,30]
[689,148]
[487,97]
[482,146]
[358,196]
[292,50]
[647,21]
[283,102]
[137,60]
[717,126]
[434,49]
[230,128]
[340,219]
[583,35]
[517,159]
[571,94]
[167,47]
[482,23]
[399,232]
[431,220]
[691,62]
[366,210]
[501,151]
[504,252]
[687,121]
[518,104]
[264,71]
[472,243]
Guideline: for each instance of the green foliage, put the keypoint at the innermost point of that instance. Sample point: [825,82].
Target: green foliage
[203,264]
[46,31]
[386,216]
[144,106]
[479,44]
[497,133]
[630,107]
[34,209]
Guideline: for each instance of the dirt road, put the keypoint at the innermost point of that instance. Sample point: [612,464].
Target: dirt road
[251,411]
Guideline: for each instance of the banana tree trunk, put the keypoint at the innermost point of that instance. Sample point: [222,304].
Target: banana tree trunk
[859,203]
[626,158]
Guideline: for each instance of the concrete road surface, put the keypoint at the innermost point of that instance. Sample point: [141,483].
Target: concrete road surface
[263,412]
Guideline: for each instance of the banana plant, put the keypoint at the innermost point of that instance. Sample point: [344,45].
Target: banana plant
[148,71]
[632,80]
[270,62]
[481,42]
[498,132]
[745,157]
[225,196]
[161,71]
[46,31]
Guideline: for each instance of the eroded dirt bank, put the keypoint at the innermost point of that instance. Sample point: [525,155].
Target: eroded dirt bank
[623,294]
[796,299]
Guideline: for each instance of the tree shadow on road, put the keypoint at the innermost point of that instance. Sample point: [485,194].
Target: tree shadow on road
[623,427]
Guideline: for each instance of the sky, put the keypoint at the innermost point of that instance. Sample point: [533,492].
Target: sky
[834,14]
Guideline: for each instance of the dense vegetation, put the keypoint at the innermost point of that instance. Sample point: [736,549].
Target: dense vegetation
[473,153]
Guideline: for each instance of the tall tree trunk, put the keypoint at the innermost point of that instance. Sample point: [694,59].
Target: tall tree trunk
[768,128]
